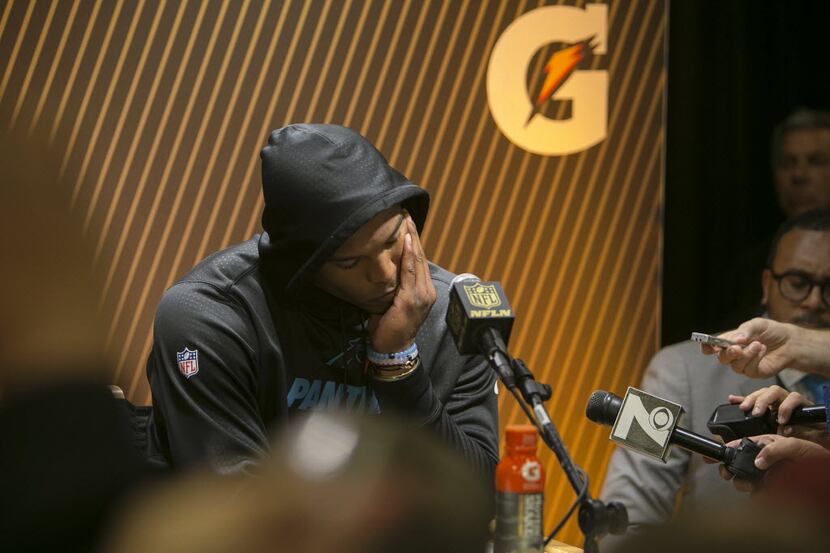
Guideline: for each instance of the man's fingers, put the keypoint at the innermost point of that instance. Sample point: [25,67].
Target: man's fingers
[408,265]
[424,280]
[738,362]
[766,398]
[776,450]
[789,404]
[728,355]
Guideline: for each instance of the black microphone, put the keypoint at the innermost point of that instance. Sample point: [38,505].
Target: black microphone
[604,408]
[480,320]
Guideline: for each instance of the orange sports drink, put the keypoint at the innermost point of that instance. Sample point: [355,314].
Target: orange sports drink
[520,483]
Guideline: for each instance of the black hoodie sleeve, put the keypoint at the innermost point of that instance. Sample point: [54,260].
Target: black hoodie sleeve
[211,415]
[467,419]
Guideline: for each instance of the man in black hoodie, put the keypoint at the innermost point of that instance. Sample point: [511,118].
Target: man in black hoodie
[333,306]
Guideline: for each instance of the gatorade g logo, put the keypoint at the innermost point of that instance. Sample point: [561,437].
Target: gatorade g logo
[645,423]
[531,471]
[517,114]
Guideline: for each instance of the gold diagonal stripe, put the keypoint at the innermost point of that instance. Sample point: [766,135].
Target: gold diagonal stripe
[630,273]
[419,82]
[232,225]
[333,43]
[572,257]
[308,61]
[123,111]
[56,60]
[219,200]
[367,63]
[70,83]
[191,162]
[152,275]
[24,26]
[472,199]
[569,300]
[145,303]
[391,108]
[536,188]
[565,317]
[5,17]
[276,93]
[320,24]
[24,90]
[617,220]
[537,241]
[193,32]
[474,212]
[438,86]
[468,105]
[126,167]
[126,227]
[269,117]
[173,155]
[599,321]
[581,159]
[347,63]
[315,95]
[367,117]
[639,359]
[90,145]
[310,52]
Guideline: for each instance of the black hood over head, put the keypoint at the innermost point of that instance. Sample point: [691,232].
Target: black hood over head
[321,183]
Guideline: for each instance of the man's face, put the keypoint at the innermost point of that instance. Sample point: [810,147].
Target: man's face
[805,253]
[364,270]
[802,171]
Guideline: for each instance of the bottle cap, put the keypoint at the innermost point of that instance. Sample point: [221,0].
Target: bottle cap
[520,436]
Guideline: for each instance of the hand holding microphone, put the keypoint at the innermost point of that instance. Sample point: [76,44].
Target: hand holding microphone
[648,424]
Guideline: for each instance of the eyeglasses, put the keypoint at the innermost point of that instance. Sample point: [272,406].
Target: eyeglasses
[796,286]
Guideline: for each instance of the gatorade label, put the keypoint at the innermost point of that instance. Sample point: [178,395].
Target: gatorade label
[519,517]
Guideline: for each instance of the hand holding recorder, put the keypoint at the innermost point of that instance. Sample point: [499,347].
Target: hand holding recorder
[761,348]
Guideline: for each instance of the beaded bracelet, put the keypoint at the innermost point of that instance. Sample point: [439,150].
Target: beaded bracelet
[394,368]
[396,358]
[392,378]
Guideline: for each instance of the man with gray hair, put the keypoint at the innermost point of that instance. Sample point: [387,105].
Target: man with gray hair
[801,161]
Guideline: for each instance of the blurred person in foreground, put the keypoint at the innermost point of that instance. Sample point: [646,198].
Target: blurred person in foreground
[653,491]
[723,530]
[378,487]
[333,306]
[67,461]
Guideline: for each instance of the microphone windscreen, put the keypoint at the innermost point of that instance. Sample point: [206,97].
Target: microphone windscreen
[603,407]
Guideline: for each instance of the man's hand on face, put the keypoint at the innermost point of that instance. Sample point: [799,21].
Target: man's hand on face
[395,329]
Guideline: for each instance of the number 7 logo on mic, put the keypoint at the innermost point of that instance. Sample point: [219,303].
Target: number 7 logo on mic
[645,423]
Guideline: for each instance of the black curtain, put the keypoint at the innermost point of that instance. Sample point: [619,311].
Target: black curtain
[736,68]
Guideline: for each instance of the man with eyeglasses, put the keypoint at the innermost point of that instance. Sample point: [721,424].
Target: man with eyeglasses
[796,286]
[796,290]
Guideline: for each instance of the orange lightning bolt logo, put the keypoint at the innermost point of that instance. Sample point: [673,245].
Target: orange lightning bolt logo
[559,67]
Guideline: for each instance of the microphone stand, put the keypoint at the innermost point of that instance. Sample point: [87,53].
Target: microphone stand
[596,518]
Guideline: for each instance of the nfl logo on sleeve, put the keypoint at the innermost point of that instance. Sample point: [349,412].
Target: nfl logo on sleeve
[188,361]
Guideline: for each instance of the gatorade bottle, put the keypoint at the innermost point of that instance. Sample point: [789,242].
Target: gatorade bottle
[520,483]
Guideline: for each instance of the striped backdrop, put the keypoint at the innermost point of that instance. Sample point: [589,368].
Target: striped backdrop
[160,109]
